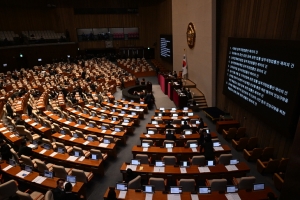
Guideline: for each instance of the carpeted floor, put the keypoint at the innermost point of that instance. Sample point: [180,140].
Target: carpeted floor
[97,187]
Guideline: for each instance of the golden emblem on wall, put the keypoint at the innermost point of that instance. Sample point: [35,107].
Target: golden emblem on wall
[191,35]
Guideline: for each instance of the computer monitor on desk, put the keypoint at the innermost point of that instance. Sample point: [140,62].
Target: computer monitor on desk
[175,189]
[169,145]
[231,189]
[204,190]
[122,186]
[210,163]
[48,174]
[148,188]
[135,162]
[71,179]
[154,122]
[159,163]
[184,163]
[258,186]
[60,150]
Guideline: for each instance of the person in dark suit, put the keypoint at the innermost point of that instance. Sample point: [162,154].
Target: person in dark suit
[83,75]
[9,110]
[24,149]
[58,192]
[170,136]
[208,148]
[169,125]
[130,175]
[185,126]
[202,137]
[111,194]
[29,110]
[68,195]
[19,121]
[143,82]
[201,125]
[5,150]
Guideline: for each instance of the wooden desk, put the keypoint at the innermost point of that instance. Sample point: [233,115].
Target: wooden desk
[179,100]
[9,136]
[177,127]
[180,139]
[129,126]
[144,106]
[86,129]
[133,117]
[169,112]
[37,127]
[218,170]
[181,153]
[48,183]
[110,149]
[244,195]
[140,111]
[220,125]
[96,166]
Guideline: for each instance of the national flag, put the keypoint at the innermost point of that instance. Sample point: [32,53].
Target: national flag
[184,65]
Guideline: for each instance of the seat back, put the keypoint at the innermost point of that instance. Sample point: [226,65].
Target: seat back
[76,148]
[80,175]
[143,158]
[41,166]
[47,141]
[252,142]
[56,127]
[95,138]
[23,195]
[242,143]
[231,133]
[225,159]
[79,134]
[49,195]
[135,183]
[26,160]
[59,171]
[240,132]
[96,151]
[198,160]
[158,183]
[20,129]
[28,135]
[15,155]
[246,183]
[218,184]
[169,142]
[267,153]
[283,164]
[188,185]
[191,142]
[169,160]
[272,166]
[8,189]
[176,121]
[256,153]
[67,131]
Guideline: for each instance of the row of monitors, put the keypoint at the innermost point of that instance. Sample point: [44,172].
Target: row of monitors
[172,131]
[182,122]
[174,109]
[159,163]
[104,117]
[189,114]
[170,145]
[178,189]
[116,129]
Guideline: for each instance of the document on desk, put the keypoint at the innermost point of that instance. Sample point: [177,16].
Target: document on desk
[147,135]
[203,169]
[90,117]
[94,108]
[148,196]
[72,138]
[86,142]
[102,110]
[59,119]
[122,195]
[174,117]
[39,179]
[231,167]
[72,158]
[33,124]
[132,167]
[125,124]
[53,154]
[129,115]
[43,151]
[113,133]
[67,122]
[145,149]
[233,196]
[121,114]
[174,197]
[26,120]
[172,111]
[22,174]
[61,136]
[183,170]
[218,148]
[85,128]
[194,197]
[157,125]
[31,146]
[194,149]
[81,158]
[76,125]
[73,111]
[103,131]
[169,149]
[159,169]
[7,167]
[101,120]
[103,145]
[12,135]
[5,132]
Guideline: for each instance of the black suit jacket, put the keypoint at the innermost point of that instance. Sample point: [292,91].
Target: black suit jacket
[208,150]
[24,150]
[70,196]
[5,152]
[58,194]
[170,137]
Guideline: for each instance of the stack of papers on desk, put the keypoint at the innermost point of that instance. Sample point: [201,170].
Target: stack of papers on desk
[157,125]
[121,114]
[148,196]
[113,133]
[67,122]
[103,131]
[194,149]
[122,195]
[174,197]
[7,167]
[132,167]
[12,135]
[43,151]
[81,158]
[203,169]
[147,135]
[22,174]
[72,138]
[194,197]
[183,170]
[130,116]
[61,136]
[145,149]
[41,128]
[124,123]
[86,142]
[218,148]
[86,127]
[72,158]
[170,149]
[76,125]
[31,146]
[34,124]
[103,145]
[39,179]
[53,154]
[159,169]
[27,120]
[73,111]
[5,132]
[94,108]
[231,167]
[233,196]
[174,117]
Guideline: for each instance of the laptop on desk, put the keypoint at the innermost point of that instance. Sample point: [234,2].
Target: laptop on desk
[175,189]
[231,189]
[148,188]
[122,186]
[159,163]
[71,179]
[204,190]
[135,162]
[48,174]
[258,186]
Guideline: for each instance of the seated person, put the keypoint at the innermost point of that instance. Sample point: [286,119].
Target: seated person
[169,125]
[185,126]
[170,136]
[143,82]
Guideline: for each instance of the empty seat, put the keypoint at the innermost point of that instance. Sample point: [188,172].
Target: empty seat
[49,195]
[252,143]
[82,176]
[8,190]
[135,183]
[169,160]
[198,160]
[267,154]
[81,152]
[241,132]
[239,144]
[42,166]
[188,185]
[224,159]
[230,134]
[158,183]
[252,155]
[270,166]
[32,196]
[244,183]
[60,171]
[144,159]
[283,164]
[217,184]
[278,180]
